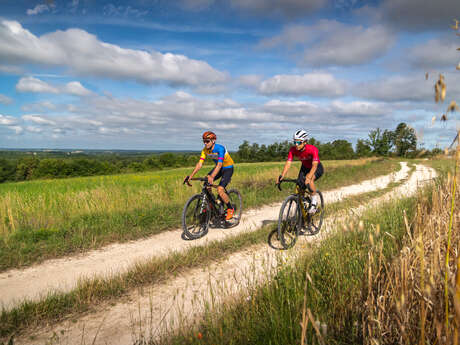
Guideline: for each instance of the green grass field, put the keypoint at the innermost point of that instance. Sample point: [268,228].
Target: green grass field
[51,218]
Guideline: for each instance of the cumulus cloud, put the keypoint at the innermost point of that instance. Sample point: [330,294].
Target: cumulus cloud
[105,120]
[84,54]
[5,99]
[6,120]
[38,120]
[436,53]
[288,8]
[313,84]
[250,80]
[331,43]
[413,15]
[40,8]
[31,84]
[75,88]
[412,88]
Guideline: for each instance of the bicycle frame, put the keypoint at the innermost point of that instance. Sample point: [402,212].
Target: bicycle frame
[210,198]
[299,193]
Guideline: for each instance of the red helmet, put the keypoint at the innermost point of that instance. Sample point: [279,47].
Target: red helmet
[209,135]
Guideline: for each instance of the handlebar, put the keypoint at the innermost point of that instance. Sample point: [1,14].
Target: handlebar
[202,179]
[285,180]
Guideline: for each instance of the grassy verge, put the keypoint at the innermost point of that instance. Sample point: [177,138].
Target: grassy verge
[92,292]
[333,290]
[47,219]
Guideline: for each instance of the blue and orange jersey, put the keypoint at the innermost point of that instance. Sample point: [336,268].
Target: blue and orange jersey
[218,154]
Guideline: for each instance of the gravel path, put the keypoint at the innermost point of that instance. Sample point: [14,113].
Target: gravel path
[63,274]
[162,307]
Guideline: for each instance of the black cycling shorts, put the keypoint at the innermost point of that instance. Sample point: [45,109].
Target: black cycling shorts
[225,175]
[304,171]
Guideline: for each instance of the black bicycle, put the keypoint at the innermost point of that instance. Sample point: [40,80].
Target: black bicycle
[294,219]
[205,209]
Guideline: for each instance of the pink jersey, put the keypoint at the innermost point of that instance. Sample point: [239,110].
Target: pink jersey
[308,155]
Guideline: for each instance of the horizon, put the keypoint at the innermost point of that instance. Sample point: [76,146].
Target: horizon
[142,76]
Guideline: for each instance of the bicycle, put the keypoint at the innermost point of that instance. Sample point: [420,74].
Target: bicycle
[205,209]
[294,219]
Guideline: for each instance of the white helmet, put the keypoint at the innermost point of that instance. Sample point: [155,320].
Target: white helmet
[300,135]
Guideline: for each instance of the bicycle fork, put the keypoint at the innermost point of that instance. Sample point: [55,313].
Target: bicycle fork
[203,204]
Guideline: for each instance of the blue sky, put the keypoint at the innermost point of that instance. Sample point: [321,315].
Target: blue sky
[156,74]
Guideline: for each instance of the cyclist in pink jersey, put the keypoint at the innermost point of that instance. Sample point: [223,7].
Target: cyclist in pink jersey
[311,169]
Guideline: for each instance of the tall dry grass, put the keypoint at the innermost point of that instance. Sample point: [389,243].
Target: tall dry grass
[405,302]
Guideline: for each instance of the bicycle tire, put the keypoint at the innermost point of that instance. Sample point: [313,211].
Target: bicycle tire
[237,202]
[195,220]
[315,221]
[289,224]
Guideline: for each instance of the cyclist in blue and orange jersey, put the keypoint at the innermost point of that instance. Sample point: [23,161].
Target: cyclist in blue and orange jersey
[223,169]
[311,169]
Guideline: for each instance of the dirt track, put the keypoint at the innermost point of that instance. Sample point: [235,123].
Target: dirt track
[164,306]
[63,274]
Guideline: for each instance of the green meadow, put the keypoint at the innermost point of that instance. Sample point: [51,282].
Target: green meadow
[50,218]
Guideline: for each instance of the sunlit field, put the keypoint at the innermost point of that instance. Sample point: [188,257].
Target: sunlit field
[49,218]
[386,278]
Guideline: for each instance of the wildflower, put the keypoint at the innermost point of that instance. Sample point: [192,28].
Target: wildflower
[199,335]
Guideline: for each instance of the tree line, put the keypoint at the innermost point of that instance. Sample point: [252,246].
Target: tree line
[401,142]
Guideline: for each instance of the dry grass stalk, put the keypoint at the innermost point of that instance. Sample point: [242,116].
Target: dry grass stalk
[304,323]
[405,299]
[453,107]
[440,89]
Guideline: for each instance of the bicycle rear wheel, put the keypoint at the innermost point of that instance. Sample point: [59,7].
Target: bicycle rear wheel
[289,222]
[195,217]
[315,221]
[237,202]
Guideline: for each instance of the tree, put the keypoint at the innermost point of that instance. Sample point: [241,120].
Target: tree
[243,150]
[404,139]
[342,149]
[381,142]
[7,170]
[363,149]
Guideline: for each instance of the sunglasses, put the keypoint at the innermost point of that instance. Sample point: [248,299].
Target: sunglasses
[206,141]
[298,142]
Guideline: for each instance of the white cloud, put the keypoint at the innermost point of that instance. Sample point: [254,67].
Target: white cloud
[31,84]
[42,106]
[33,129]
[6,120]
[413,88]
[435,53]
[313,84]
[250,80]
[331,43]
[75,88]
[5,99]
[40,8]
[358,108]
[108,121]
[38,120]
[83,54]
[415,15]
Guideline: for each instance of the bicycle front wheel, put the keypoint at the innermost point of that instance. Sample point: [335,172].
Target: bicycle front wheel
[289,222]
[237,202]
[315,221]
[195,217]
